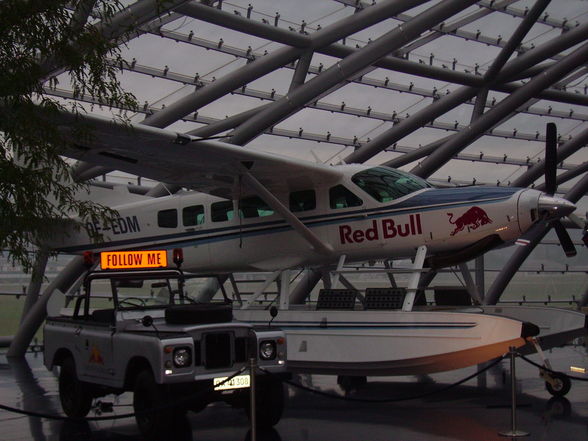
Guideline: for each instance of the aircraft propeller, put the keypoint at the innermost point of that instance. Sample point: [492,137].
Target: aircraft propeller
[552,209]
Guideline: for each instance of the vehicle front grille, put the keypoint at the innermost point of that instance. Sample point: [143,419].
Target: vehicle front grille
[240,349]
[217,350]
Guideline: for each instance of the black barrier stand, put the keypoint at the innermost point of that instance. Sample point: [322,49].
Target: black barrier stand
[252,367]
[513,432]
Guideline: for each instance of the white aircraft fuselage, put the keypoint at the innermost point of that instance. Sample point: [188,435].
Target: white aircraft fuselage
[352,218]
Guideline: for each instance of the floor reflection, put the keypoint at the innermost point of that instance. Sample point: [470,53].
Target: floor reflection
[82,430]
[33,397]
[477,410]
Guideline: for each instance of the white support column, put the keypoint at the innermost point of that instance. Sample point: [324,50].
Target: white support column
[36,281]
[346,283]
[469,281]
[34,319]
[285,289]
[271,279]
[413,283]
[389,264]
[335,274]
[480,277]
[235,287]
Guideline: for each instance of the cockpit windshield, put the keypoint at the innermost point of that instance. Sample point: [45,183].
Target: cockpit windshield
[386,184]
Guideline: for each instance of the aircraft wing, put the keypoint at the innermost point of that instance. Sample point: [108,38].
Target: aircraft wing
[164,155]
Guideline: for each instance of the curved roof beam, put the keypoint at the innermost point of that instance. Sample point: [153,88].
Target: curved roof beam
[264,65]
[424,70]
[566,176]
[363,80]
[496,68]
[454,99]
[498,113]
[564,151]
[450,27]
[136,15]
[396,64]
[219,17]
[410,124]
[430,148]
[492,5]
[345,69]
[454,28]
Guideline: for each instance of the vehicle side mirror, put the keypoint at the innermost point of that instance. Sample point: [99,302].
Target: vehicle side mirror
[147,321]
[273,312]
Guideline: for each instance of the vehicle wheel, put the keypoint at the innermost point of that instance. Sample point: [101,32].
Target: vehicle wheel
[349,382]
[149,395]
[265,434]
[74,395]
[561,386]
[269,402]
[75,430]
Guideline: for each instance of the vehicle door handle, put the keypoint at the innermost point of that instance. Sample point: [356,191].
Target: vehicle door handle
[78,331]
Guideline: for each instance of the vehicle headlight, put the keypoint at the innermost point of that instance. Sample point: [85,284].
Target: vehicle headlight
[267,350]
[182,357]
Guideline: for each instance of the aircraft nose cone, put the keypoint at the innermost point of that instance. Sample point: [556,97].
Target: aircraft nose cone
[554,206]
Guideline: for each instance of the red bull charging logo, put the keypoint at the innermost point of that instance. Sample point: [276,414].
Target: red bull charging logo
[473,218]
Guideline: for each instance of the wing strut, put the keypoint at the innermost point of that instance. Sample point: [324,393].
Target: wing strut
[292,220]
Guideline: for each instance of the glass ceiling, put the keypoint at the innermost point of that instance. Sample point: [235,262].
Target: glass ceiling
[213,46]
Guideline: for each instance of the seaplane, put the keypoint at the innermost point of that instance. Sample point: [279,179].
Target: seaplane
[245,210]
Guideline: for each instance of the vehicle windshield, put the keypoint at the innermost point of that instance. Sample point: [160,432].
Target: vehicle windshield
[386,184]
[148,293]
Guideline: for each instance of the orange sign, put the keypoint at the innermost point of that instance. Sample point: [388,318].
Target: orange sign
[133,259]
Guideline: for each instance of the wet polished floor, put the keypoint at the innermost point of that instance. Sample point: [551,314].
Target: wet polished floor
[477,410]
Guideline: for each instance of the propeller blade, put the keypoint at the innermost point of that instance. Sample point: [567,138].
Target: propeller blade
[564,239]
[550,158]
[581,223]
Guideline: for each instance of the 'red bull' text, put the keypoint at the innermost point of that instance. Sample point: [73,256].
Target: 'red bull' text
[385,229]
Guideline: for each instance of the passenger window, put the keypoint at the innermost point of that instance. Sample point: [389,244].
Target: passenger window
[193,215]
[341,197]
[254,207]
[167,218]
[222,211]
[303,200]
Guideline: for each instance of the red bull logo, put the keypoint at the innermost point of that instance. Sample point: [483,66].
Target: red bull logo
[386,228]
[473,218]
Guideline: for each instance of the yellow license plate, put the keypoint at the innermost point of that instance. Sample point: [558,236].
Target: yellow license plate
[238,382]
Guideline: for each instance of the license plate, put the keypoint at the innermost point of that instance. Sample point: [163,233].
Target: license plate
[238,382]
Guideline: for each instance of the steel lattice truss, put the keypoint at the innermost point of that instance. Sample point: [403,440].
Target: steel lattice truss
[422,85]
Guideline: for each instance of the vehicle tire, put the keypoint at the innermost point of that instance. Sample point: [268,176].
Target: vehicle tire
[350,382]
[198,314]
[150,395]
[561,386]
[265,434]
[76,399]
[72,430]
[269,402]
[147,395]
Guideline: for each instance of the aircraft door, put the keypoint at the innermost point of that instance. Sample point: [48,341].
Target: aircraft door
[192,223]
[353,228]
